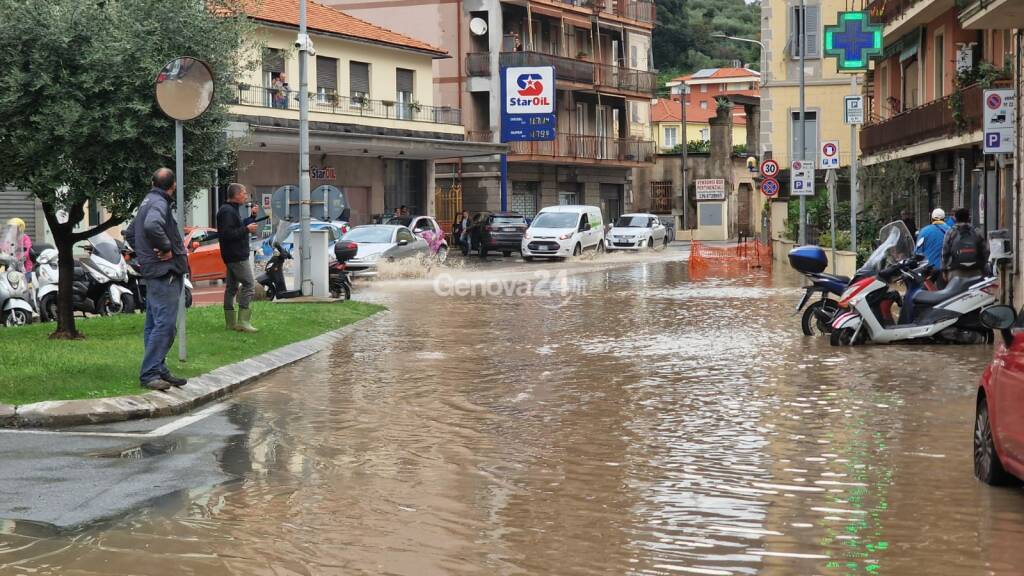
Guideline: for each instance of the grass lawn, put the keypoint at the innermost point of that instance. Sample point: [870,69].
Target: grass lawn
[106,362]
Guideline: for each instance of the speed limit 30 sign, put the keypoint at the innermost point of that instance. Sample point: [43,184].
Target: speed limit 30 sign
[769,168]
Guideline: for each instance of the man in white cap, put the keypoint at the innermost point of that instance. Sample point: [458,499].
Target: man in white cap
[931,237]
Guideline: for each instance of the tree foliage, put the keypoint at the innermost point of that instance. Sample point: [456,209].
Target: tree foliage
[682,37]
[80,121]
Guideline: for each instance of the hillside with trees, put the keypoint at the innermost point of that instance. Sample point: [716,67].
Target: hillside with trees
[682,37]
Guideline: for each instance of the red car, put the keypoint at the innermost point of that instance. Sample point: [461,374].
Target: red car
[204,254]
[998,425]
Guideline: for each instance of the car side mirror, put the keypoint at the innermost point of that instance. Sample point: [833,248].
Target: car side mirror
[1000,318]
[403,242]
[194,246]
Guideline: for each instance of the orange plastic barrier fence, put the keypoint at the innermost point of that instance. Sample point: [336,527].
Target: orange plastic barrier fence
[743,255]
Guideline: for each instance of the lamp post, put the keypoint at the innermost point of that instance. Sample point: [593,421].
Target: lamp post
[764,73]
[305,262]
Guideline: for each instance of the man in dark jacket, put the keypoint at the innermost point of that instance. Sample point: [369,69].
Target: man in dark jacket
[233,234]
[965,250]
[161,252]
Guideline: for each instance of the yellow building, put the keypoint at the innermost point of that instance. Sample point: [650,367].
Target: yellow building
[780,93]
[666,121]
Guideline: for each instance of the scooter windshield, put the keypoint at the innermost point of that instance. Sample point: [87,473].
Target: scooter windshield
[104,246]
[896,243]
[10,246]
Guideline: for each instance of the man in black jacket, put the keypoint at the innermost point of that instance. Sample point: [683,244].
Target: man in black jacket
[233,234]
[161,252]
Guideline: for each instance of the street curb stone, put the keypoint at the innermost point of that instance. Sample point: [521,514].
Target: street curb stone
[199,390]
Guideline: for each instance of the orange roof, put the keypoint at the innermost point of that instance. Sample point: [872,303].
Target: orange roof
[717,73]
[671,111]
[331,20]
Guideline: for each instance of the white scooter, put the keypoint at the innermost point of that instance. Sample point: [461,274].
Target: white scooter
[108,271]
[948,315]
[15,295]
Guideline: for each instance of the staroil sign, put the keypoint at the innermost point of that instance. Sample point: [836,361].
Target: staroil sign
[530,90]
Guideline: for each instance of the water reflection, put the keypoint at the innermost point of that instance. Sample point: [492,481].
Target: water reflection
[652,425]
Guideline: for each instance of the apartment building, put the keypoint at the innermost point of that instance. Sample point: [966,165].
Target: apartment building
[601,52]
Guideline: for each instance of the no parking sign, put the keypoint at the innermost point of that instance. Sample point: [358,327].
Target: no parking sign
[770,187]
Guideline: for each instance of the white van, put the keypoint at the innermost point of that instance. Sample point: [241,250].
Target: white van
[561,231]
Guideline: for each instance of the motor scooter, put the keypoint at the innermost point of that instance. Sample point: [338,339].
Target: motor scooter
[811,261]
[950,315]
[137,283]
[15,294]
[272,279]
[46,280]
[339,281]
[108,276]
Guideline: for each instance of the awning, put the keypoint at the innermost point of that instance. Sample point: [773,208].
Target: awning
[577,20]
[552,12]
[280,139]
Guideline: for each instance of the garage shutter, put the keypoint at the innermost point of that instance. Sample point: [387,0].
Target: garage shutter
[17,204]
[359,78]
[327,74]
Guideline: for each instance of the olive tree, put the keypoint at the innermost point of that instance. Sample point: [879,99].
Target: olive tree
[80,125]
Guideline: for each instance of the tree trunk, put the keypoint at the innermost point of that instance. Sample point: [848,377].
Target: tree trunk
[65,292]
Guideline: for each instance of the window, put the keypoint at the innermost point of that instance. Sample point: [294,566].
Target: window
[634,114]
[704,88]
[524,198]
[811,33]
[671,137]
[326,80]
[358,82]
[939,57]
[810,138]
[705,134]
[581,118]
[883,91]
[423,224]
[634,57]
[404,83]
[404,234]
[273,73]
[566,198]
[703,104]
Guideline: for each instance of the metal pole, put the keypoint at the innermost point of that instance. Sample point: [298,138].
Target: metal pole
[853,174]
[179,185]
[802,137]
[682,154]
[306,257]
[831,180]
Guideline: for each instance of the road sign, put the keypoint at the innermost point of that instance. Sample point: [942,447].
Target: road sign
[770,187]
[853,41]
[710,189]
[999,121]
[769,168]
[854,110]
[828,156]
[528,103]
[801,176]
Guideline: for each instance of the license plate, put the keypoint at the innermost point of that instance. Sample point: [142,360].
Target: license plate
[508,229]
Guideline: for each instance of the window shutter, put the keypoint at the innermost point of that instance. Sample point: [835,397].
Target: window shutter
[813,34]
[359,77]
[404,80]
[273,61]
[327,74]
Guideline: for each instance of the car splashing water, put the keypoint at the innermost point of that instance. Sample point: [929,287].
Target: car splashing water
[640,423]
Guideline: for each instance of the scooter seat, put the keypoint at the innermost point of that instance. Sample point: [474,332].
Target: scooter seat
[955,287]
[840,279]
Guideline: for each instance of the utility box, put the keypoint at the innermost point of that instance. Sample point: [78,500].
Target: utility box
[1000,245]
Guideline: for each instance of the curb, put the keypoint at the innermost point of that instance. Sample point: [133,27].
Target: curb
[199,390]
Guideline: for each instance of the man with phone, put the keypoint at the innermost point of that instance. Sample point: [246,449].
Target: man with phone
[233,235]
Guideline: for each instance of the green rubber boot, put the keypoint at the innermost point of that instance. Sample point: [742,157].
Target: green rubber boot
[229,320]
[244,317]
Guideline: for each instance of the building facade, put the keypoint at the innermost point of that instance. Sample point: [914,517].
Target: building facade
[601,52]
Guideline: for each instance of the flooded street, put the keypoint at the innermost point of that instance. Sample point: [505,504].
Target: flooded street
[634,420]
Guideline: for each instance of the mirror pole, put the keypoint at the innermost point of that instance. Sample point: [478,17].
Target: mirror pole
[179,173]
[305,264]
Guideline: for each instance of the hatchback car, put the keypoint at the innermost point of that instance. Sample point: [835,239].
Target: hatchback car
[382,242]
[636,232]
[998,426]
[204,254]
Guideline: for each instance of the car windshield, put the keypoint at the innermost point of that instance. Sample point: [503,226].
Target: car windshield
[105,247]
[632,222]
[369,235]
[556,220]
[509,221]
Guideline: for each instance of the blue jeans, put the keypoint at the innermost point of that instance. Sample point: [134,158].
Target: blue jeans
[162,296]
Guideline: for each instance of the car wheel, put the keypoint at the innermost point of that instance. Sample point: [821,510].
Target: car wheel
[664,241]
[650,243]
[600,247]
[987,466]
[844,337]
[442,254]
[812,323]
[48,308]
[17,317]
[506,253]
[528,258]
[577,250]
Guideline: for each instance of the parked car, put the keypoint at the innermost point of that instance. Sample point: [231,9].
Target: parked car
[387,242]
[204,254]
[998,426]
[425,227]
[498,232]
[335,230]
[562,231]
[636,232]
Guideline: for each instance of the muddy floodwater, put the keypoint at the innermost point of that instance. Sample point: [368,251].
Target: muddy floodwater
[626,419]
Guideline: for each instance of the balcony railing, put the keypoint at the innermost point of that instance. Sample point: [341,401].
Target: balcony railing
[641,10]
[932,120]
[585,147]
[479,136]
[330,103]
[572,70]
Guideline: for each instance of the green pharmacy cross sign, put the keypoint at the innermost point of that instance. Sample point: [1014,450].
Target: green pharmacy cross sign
[853,41]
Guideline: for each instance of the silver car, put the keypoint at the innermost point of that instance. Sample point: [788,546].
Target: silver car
[387,242]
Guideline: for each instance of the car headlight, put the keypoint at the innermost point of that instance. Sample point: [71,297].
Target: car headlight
[527,235]
[565,236]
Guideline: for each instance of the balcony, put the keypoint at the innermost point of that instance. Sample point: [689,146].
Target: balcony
[637,10]
[264,97]
[586,149]
[931,121]
[901,16]
[628,81]
[992,15]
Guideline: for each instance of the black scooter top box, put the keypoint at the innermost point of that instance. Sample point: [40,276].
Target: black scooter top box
[345,250]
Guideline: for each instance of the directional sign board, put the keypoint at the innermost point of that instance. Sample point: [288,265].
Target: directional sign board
[770,187]
[853,41]
[710,189]
[828,156]
[801,174]
[769,168]
[528,103]
[999,121]
[854,110]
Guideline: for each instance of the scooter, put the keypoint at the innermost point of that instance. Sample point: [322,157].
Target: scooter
[272,279]
[15,295]
[811,261]
[46,278]
[949,315]
[108,275]
[339,281]
[137,284]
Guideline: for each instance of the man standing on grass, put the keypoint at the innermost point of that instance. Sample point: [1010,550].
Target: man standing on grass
[161,252]
[233,235]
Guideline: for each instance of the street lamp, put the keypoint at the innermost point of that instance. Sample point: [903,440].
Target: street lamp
[738,39]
